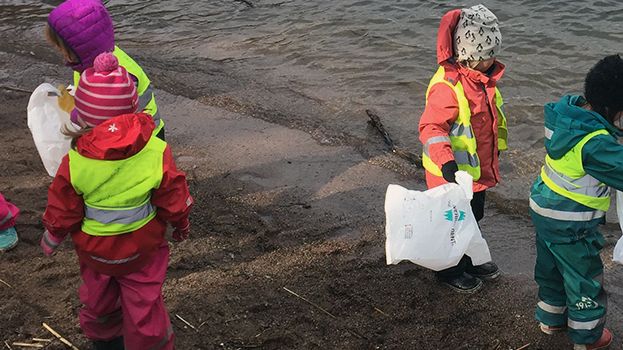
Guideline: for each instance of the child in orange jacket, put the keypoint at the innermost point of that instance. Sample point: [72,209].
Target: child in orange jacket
[463,125]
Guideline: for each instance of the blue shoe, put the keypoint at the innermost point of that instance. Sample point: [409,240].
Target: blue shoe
[8,239]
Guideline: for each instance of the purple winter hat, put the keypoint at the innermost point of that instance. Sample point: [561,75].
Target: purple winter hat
[86,27]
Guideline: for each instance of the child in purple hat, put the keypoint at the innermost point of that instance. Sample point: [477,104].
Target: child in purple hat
[83,29]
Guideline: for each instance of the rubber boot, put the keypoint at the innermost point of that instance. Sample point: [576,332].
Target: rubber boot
[602,343]
[8,239]
[114,344]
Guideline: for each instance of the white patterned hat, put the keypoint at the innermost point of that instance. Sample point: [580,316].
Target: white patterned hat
[477,36]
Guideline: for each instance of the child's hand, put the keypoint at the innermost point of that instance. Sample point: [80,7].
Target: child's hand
[49,243]
[65,100]
[182,231]
[448,170]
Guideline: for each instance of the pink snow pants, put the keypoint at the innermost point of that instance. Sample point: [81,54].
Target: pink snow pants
[130,306]
[8,214]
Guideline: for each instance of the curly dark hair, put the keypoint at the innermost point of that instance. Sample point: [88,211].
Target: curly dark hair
[603,87]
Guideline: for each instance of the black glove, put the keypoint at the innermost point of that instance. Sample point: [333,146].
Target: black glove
[448,170]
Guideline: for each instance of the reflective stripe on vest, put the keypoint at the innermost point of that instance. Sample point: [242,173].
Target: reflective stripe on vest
[460,129]
[146,99]
[585,185]
[566,177]
[119,216]
[461,136]
[144,102]
[566,215]
[462,157]
[117,193]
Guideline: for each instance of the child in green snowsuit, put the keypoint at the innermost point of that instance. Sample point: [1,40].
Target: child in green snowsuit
[569,200]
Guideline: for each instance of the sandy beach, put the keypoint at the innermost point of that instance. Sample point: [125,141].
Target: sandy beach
[287,240]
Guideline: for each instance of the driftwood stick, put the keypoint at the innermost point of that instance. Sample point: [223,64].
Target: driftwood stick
[12,88]
[380,311]
[375,121]
[351,331]
[524,347]
[28,345]
[7,345]
[63,340]
[42,340]
[186,322]
[310,303]
[8,285]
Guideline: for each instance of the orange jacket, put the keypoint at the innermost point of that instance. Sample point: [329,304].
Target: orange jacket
[442,109]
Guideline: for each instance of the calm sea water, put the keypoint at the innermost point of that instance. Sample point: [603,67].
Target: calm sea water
[356,54]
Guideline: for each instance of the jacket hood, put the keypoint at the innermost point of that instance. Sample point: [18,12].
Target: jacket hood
[117,138]
[567,122]
[445,44]
[86,27]
[446,57]
[445,41]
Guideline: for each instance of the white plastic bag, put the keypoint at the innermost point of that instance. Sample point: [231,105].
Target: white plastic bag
[434,228]
[45,120]
[617,254]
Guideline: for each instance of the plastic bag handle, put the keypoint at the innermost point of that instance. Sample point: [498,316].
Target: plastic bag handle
[466,182]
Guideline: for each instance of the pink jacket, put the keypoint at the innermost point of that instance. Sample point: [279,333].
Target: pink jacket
[442,109]
[8,214]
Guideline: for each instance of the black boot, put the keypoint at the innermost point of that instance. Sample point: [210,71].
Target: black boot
[487,271]
[464,283]
[114,344]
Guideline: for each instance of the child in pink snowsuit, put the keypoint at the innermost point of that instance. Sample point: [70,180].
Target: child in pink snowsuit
[8,214]
[114,193]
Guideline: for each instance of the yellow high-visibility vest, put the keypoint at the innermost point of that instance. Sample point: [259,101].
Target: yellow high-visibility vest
[461,135]
[566,176]
[117,193]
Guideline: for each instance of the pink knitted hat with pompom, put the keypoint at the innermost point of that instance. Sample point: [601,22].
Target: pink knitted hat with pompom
[106,90]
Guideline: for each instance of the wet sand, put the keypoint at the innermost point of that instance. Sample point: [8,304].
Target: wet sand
[276,207]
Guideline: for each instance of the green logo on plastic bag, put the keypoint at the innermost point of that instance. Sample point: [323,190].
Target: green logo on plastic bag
[454,214]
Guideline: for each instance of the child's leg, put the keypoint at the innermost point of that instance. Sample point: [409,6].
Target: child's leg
[478,205]
[8,214]
[100,317]
[146,323]
[582,270]
[478,209]
[551,309]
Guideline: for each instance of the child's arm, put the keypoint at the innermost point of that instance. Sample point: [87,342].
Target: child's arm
[173,198]
[65,209]
[440,113]
[602,158]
